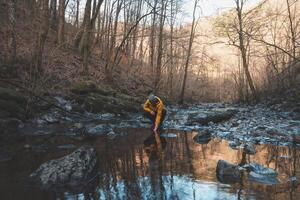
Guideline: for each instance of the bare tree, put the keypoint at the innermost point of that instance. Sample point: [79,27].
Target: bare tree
[83,38]
[77,13]
[53,13]
[242,47]
[189,52]
[160,46]
[41,37]
[292,30]
[12,19]
[152,37]
[61,22]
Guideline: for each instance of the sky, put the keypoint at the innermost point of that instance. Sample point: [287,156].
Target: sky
[213,7]
[208,7]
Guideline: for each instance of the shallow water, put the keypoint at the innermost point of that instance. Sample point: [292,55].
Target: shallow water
[130,167]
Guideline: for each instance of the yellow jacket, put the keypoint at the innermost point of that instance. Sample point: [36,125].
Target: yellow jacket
[158,108]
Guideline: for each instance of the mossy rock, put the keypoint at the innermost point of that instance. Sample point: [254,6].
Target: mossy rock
[127,97]
[84,87]
[104,99]
[101,103]
[93,103]
[215,116]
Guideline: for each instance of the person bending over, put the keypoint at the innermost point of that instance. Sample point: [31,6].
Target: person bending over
[155,111]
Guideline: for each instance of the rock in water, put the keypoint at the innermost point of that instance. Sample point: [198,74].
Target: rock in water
[262,179]
[69,171]
[104,99]
[214,116]
[100,129]
[203,137]
[169,135]
[234,144]
[258,169]
[227,173]
[249,149]
[261,174]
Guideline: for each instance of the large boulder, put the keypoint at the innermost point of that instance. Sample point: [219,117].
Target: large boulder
[84,87]
[72,170]
[203,137]
[96,103]
[104,99]
[216,116]
[227,173]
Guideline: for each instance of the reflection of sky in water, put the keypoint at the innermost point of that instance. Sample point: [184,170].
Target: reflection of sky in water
[178,187]
[130,168]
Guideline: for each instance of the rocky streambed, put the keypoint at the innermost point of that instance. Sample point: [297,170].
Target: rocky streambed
[77,149]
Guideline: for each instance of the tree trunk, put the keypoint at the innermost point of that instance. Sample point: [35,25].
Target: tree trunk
[159,48]
[94,7]
[152,39]
[53,14]
[12,19]
[103,29]
[86,19]
[98,29]
[41,38]
[170,82]
[61,23]
[293,36]
[242,48]
[292,74]
[89,25]
[77,13]
[84,42]
[192,35]
[137,13]
[112,41]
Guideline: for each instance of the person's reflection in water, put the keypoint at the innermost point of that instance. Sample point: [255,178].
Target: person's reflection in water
[155,165]
[151,149]
[241,182]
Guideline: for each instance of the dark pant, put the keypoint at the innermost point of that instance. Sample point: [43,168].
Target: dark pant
[153,117]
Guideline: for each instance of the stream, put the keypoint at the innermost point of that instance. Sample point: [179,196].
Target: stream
[130,167]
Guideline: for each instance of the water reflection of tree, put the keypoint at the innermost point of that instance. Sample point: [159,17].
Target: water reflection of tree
[284,161]
[130,165]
